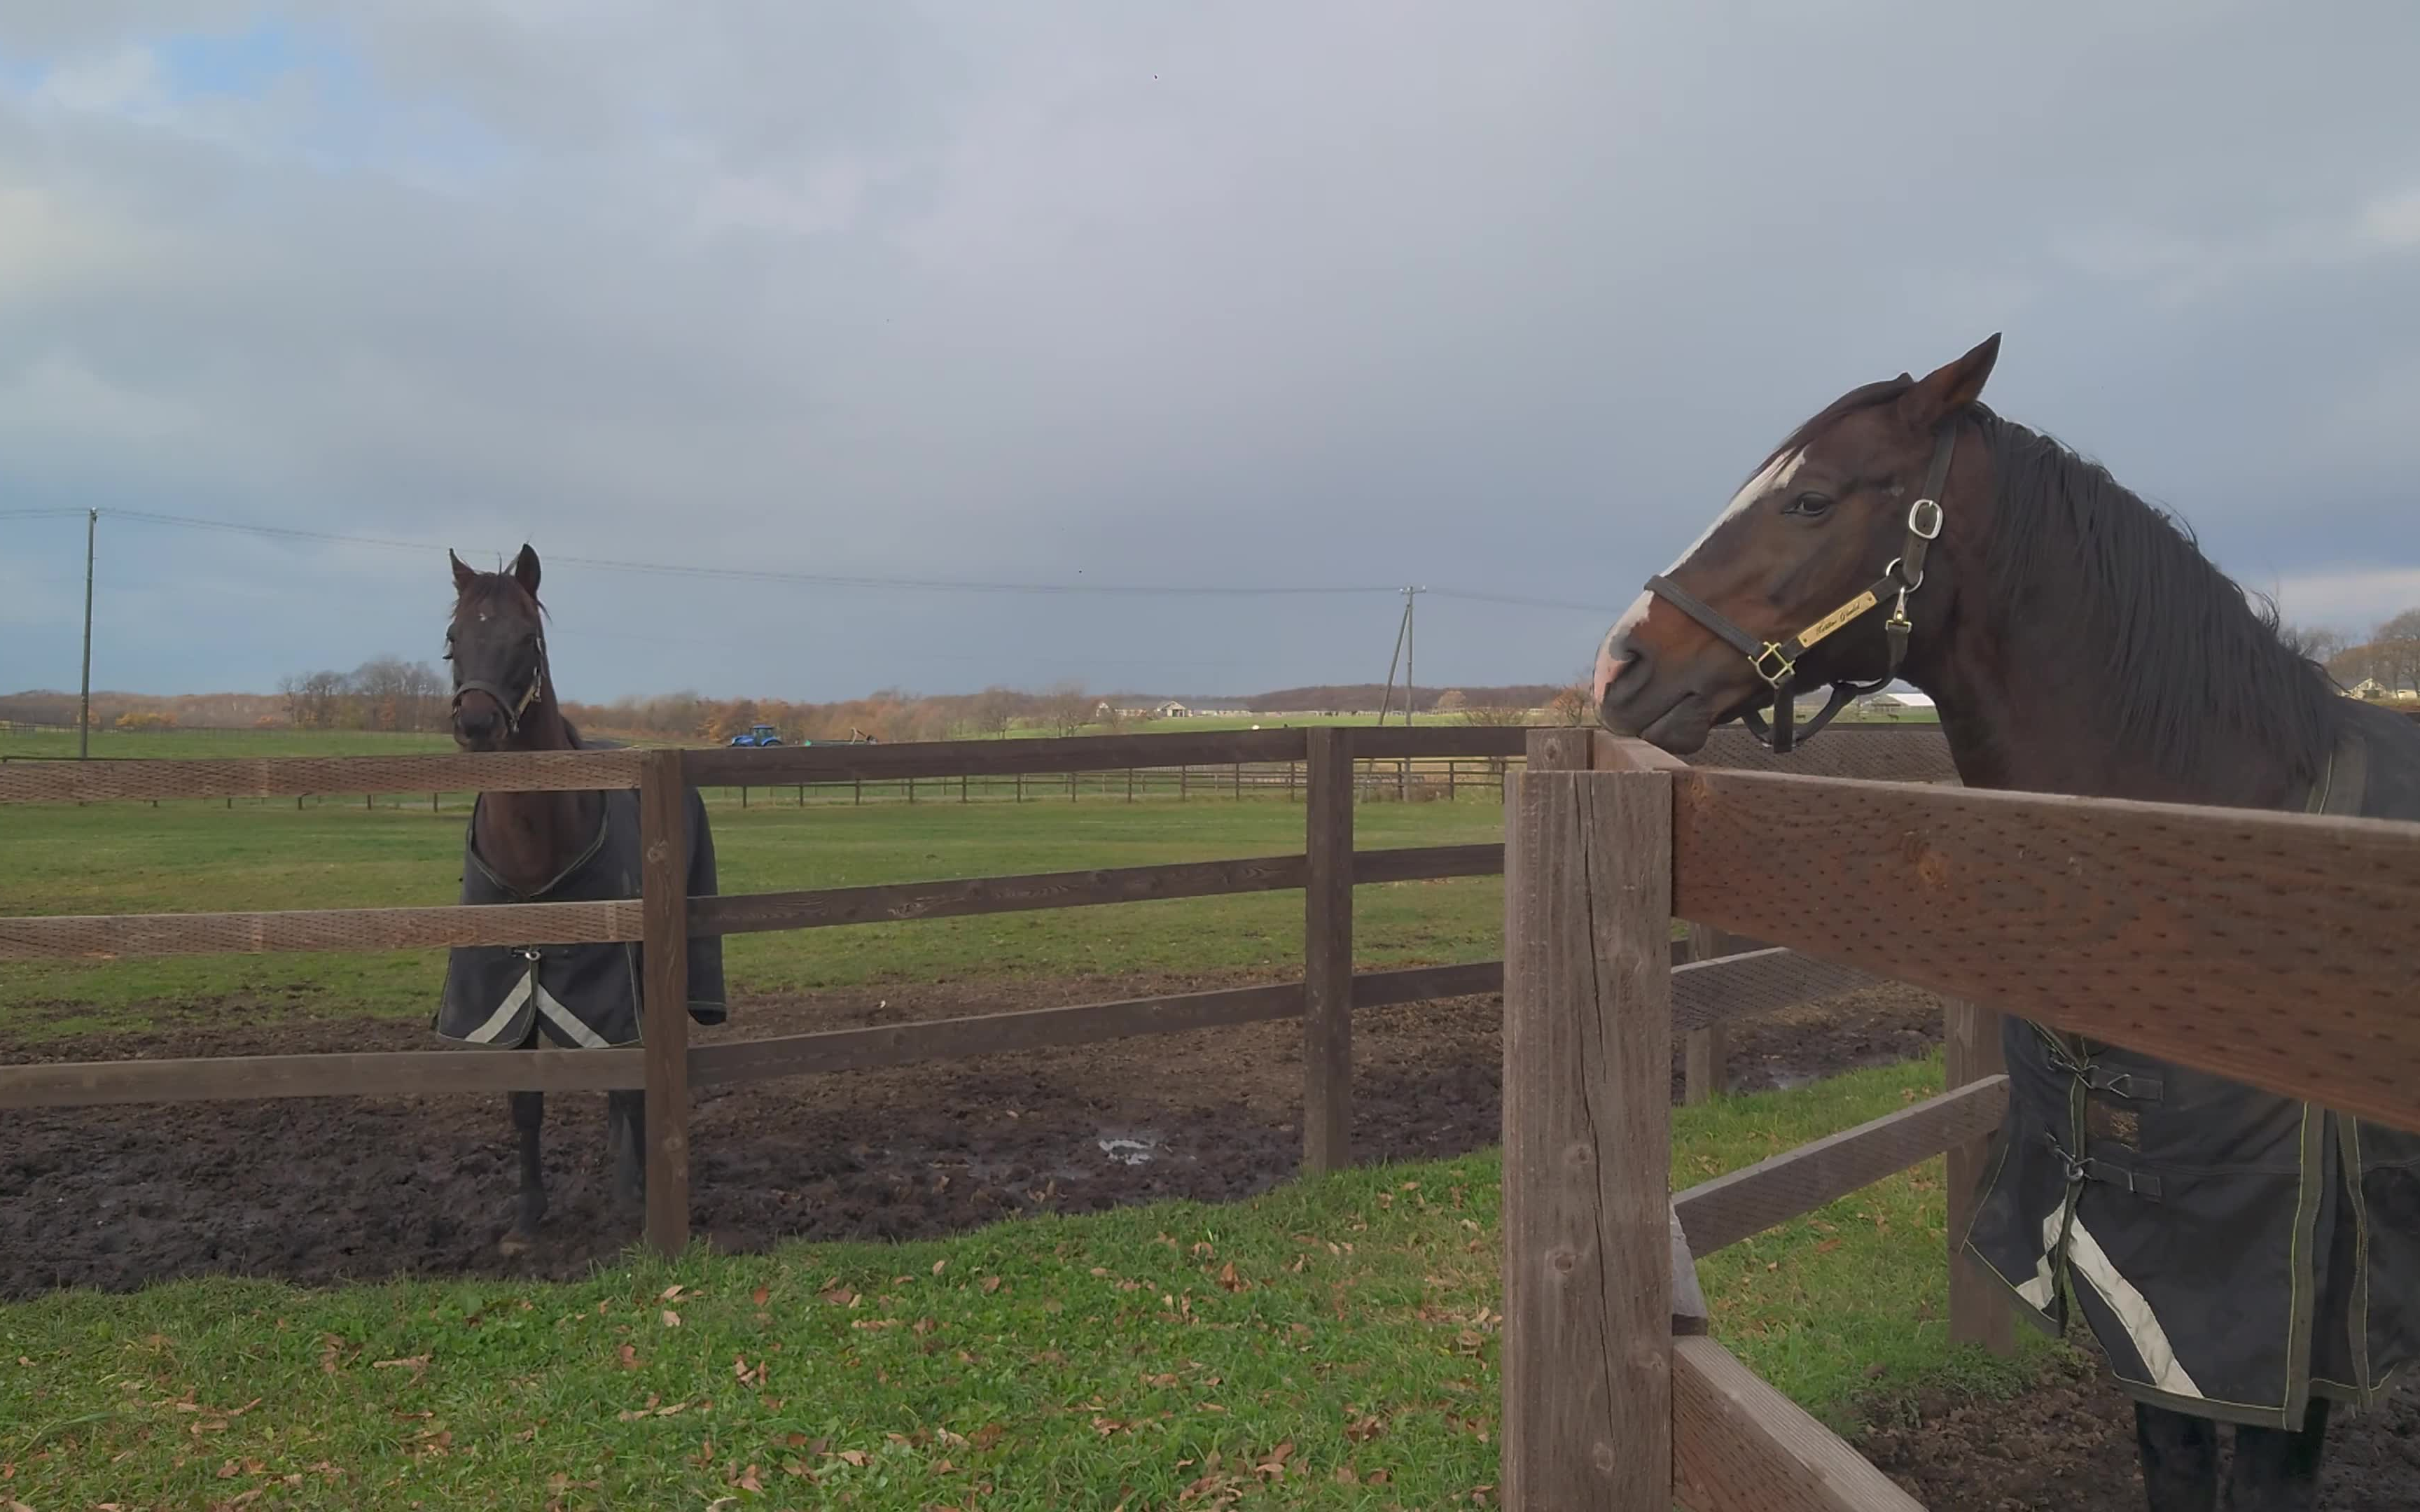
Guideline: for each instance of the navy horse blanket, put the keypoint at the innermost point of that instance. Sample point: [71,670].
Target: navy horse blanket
[577,996]
[2233,1251]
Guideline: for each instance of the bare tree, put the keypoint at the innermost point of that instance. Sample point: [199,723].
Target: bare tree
[1066,709]
[991,710]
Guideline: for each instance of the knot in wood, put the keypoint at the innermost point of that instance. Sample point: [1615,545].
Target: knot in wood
[1603,1456]
[1563,1258]
[658,851]
[1579,1152]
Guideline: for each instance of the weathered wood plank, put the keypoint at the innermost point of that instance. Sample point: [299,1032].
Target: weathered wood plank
[1588,1018]
[113,936]
[1422,863]
[286,776]
[1795,1182]
[1979,1305]
[825,907]
[2272,948]
[390,1074]
[1327,953]
[1738,1445]
[663,834]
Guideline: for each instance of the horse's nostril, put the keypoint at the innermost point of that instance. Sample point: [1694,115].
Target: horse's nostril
[1615,660]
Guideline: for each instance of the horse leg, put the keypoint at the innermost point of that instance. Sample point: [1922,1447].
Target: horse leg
[2180,1455]
[626,1120]
[2277,1469]
[529,1111]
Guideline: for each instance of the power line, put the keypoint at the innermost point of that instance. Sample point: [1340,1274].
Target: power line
[42,514]
[1517,602]
[817,580]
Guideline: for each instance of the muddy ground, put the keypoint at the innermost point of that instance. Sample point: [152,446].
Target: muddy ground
[321,1190]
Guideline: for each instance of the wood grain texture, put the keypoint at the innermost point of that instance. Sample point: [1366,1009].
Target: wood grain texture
[389,1073]
[983,1034]
[2275,949]
[111,936]
[286,776]
[1738,1445]
[1327,953]
[1796,1182]
[1588,1277]
[1563,748]
[663,873]
[1979,1303]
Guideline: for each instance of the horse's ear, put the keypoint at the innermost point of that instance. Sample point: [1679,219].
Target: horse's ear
[1952,386]
[463,576]
[525,570]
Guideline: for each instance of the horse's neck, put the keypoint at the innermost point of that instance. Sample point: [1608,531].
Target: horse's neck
[2028,701]
[527,839]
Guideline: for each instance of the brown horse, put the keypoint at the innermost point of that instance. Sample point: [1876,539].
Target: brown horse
[2239,1256]
[529,847]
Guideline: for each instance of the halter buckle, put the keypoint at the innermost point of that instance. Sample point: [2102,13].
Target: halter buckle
[1772,650]
[1924,519]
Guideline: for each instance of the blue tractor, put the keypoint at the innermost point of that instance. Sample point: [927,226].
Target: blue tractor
[763,734]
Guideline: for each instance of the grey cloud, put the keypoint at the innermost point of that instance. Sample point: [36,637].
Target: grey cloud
[1342,294]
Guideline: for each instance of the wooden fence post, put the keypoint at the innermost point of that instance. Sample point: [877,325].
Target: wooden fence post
[1979,1308]
[664,838]
[1327,954]
[1588,1280]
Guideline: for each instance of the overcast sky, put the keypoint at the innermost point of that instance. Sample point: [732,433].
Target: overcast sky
[1498,299]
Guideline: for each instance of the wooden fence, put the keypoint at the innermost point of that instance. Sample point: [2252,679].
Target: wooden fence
[1325,872]
[2272,948]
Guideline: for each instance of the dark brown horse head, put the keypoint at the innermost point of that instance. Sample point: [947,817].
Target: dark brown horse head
[496,644]
[1777,584]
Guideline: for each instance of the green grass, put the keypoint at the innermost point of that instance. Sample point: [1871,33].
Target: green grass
[203,857]
[1332,1344]
[189,745]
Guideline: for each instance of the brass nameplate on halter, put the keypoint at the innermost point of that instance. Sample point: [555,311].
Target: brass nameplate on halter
[1837,618]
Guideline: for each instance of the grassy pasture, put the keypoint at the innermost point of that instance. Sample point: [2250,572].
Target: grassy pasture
[199,856]
[1331,1344]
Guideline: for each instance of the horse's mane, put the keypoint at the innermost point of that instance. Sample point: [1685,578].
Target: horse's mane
[2189,659]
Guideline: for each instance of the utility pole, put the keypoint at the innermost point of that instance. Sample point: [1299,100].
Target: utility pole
[1410,594]
[84,715]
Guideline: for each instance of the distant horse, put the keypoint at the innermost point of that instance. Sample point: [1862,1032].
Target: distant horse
[2240,1257]
[550,847]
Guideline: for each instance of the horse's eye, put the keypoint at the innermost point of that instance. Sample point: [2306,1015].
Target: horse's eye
[1812,505]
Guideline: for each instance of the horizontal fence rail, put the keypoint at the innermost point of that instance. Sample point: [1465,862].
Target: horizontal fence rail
[2274,949]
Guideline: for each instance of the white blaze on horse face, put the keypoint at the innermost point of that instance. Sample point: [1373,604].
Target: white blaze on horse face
[1777,475]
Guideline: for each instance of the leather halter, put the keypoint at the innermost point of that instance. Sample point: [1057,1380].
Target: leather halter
[514,708]
[1776,661]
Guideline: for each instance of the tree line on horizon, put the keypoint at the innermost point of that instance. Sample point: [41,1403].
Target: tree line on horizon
[387,693]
